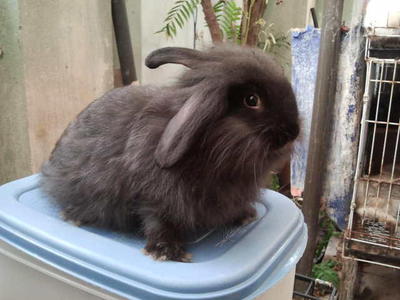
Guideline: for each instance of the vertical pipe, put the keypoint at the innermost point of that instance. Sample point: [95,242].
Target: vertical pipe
[389,197]
[321,125]
[123,39]
[314,17]
[373,147]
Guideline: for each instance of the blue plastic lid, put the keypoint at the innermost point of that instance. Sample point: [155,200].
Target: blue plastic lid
[239,264]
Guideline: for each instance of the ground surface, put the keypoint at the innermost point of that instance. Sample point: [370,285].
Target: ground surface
[378,283]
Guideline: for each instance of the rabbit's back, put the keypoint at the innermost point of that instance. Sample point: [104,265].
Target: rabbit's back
[84,172]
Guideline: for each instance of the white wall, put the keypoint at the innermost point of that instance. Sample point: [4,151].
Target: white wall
[153,14]
[145,18]
[382,12]
[57,58]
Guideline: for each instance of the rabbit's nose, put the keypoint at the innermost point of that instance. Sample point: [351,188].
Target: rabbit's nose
[286,134]
[293,131]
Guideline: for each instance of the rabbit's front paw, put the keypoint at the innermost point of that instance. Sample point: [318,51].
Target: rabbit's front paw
[249,216]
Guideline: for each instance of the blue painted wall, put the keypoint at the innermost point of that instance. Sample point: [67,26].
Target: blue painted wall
[305,49]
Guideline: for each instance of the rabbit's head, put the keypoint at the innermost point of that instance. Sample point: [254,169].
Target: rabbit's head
[240,105]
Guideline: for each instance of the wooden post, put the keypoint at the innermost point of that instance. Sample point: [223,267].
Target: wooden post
[348,279]
[320,127]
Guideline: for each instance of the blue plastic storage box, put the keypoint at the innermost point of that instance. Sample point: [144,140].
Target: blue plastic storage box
[51,257]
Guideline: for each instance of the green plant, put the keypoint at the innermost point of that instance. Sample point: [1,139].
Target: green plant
[228,16]
[178,15]
[226,20]
[269,40]
[326,271]
[328,230]
[227,13]
[275,182]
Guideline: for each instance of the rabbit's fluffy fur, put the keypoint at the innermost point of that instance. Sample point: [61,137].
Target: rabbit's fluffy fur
[170,160]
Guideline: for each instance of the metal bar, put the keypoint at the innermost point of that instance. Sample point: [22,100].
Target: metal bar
[386,81]
[372,146]
[392,175]
[382,122]
[374,244]
[312,282]
[384,148]
[397,219]
[376,119]
[370,261]
[395,155]
[384,35]
[314,17]
[123,39]
[365,202]
[304,277]
[396,181]
[380,60]
[324,99]
[305,296]
[384,184]
[367,46]
[375,235]
[361,149]
[310,286]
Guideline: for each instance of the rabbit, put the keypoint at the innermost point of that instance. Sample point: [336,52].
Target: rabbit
[167,161]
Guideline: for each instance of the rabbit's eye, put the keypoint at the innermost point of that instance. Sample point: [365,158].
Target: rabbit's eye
[252,101]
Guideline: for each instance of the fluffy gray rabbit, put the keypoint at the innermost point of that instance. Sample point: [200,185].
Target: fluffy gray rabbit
[171,160]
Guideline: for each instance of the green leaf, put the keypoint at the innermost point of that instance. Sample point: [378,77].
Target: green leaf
[219,6]
[228,15]
[185,12]
[325,271]
[179,20]
[178,15]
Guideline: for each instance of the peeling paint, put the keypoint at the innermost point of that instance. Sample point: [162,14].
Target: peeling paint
[305,49]
[351,110]
[343,149]
[338,185]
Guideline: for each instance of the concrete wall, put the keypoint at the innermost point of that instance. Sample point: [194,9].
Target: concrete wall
[14,144]
[348,105]
[153,15]
[57,58]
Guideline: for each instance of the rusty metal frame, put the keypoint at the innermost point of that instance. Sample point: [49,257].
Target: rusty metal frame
[366,230]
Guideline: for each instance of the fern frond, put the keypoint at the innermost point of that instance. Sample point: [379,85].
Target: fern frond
[228,16]
[178,15]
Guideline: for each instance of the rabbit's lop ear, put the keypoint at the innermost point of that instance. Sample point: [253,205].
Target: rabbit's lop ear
[174,55]
[199,110]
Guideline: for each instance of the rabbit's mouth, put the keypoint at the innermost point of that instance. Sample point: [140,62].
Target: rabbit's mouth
[283,136]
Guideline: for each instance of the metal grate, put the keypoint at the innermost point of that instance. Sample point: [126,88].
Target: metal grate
[313,284]
[373,232]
